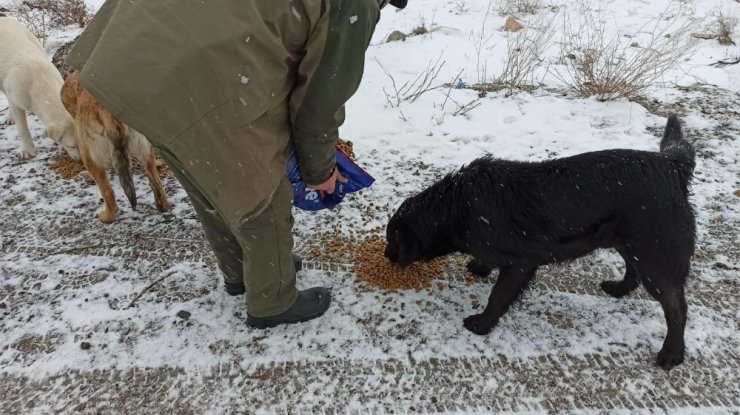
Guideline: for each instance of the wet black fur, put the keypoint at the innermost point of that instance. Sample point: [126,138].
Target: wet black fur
[516,216]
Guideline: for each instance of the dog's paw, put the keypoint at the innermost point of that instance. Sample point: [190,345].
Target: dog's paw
[478,268]
[616,289]
[9,120]
[668,359]
[28,153]
[107,216]
[477,324]
[163,205]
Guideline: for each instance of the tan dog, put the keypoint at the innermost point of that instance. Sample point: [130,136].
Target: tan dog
[104,141]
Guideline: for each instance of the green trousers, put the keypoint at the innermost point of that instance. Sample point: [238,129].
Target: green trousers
[257,252]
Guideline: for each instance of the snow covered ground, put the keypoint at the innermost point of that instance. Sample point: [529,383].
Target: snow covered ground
[566,347]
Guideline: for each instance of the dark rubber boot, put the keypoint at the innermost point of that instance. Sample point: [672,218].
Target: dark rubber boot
[311,303]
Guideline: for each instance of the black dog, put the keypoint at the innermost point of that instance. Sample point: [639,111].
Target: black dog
[516,216]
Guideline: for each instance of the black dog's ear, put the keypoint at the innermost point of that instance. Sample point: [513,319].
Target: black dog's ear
[398,239]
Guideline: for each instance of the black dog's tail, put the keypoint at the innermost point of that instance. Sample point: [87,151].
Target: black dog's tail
[675,144]
[673,141]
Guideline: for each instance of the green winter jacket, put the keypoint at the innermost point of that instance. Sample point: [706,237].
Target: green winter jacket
[225,85]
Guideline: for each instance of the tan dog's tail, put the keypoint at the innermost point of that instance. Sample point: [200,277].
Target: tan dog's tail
[122,163]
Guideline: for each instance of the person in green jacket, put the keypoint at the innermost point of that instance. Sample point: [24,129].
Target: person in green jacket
[222,89]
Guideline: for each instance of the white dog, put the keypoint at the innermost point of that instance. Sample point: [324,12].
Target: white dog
[32,83]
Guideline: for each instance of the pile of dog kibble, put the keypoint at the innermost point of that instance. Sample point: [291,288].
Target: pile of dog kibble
[69,169]
[366,253]
[66,167]
[372,267]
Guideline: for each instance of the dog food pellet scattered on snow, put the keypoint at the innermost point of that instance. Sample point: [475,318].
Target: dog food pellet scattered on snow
[374,268]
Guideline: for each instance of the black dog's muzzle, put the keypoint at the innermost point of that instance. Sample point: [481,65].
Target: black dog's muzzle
[390,254]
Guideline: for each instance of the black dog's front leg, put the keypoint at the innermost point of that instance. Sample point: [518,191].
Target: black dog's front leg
[509,285]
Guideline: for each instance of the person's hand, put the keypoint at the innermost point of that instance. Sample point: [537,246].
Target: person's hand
[329,185]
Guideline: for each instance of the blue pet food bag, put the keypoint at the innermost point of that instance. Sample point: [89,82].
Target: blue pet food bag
[309,199]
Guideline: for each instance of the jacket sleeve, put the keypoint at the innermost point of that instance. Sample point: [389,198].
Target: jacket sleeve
[317,104]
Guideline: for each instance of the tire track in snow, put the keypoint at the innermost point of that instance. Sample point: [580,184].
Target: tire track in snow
[552,383]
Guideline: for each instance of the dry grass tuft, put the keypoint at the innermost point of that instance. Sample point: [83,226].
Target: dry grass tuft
[601,62]
[44,17]
[507,7]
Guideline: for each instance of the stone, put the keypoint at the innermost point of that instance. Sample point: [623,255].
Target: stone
[396,36]
[512,24]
